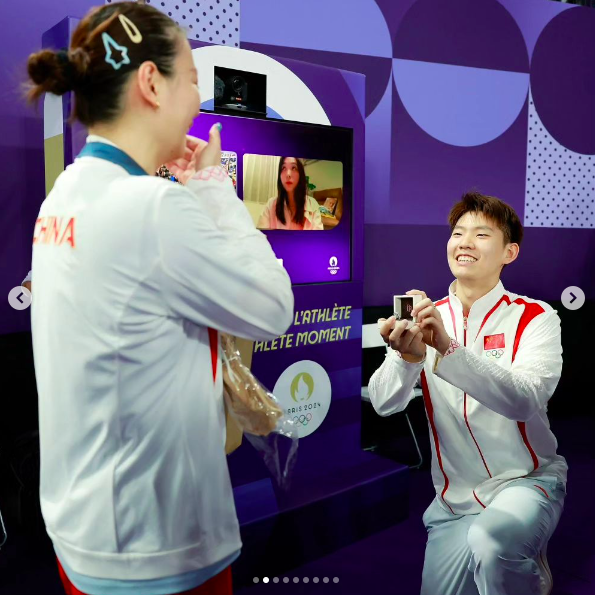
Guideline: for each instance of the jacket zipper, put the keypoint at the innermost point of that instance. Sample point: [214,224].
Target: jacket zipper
[465,405]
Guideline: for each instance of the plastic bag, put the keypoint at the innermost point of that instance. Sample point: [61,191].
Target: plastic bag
[258,413]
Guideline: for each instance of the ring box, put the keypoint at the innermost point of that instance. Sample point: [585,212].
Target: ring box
[403,306]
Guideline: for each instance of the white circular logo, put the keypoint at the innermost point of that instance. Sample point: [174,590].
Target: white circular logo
[333,261]
[304,391]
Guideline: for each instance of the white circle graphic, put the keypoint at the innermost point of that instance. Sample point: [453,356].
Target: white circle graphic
[304,391]
[287,94]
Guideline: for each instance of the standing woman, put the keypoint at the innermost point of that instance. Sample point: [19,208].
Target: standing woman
[134,276]
[292,208]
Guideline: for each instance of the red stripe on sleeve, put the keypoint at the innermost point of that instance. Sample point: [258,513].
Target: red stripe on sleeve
[504,298]
[531,311]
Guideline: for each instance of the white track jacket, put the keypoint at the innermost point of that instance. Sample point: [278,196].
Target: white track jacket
[130,273]
[486,399]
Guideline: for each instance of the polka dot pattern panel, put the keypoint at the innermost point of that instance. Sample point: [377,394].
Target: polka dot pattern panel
[560,184]
[209,21]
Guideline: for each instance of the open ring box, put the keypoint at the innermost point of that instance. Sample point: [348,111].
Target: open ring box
[403,306]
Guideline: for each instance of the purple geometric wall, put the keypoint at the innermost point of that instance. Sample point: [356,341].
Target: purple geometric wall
[210,21]
[461,94]
[449,87]
[22,181]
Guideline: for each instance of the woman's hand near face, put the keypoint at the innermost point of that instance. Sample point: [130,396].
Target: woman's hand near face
[198,155]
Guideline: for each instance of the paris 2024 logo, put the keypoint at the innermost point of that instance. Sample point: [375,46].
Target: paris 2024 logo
[304,392]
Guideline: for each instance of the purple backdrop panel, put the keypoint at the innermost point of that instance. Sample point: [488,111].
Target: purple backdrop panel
[542,271]
[429,176]
[358,90]
[342,362]
[479,33]
[394,12]
[563,79]
[376,70]
[378,164]
[268,365]
[459,105]
[361,29]
[214,22]
[22,173]
[532,16]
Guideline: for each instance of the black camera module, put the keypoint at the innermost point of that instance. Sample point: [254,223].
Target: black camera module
[240,91]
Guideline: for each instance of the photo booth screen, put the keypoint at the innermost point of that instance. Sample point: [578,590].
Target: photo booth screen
[268,160]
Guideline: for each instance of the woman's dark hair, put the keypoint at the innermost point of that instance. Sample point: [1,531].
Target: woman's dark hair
[301,190]
[97,84]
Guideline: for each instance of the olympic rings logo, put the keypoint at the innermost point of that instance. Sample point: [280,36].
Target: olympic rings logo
[302,420]
[497,353]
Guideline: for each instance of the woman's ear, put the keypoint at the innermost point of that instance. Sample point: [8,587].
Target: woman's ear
[149,81]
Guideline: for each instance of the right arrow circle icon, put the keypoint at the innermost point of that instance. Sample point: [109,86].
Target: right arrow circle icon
[573,298]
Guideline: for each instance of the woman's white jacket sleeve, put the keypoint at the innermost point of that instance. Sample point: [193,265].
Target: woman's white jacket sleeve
[218,269]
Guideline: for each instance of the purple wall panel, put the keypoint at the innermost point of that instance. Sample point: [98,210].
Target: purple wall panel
[22,177]
[539,273]
[210,21]
[428,176]
[563,79]
[21,129]
[532,16]
[475,53]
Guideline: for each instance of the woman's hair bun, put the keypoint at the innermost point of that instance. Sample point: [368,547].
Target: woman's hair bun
[141,32]
[52,72]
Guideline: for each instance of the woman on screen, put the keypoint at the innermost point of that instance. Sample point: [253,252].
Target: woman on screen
[292,208]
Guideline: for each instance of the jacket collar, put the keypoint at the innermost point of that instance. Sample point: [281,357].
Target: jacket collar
[479,309]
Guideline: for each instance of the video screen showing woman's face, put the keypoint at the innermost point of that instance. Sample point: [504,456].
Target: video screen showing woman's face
[292,193]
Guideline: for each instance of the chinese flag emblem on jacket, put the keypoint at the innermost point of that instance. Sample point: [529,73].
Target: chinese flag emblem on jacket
[493,341]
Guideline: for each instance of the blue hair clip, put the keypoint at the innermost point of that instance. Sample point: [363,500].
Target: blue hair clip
[110,47]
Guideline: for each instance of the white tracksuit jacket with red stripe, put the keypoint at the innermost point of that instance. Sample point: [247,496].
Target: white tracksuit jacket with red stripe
[486,399]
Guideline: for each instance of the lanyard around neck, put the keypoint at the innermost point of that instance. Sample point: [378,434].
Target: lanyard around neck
[114,155]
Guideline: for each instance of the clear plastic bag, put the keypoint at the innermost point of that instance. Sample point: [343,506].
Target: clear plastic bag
[258,413]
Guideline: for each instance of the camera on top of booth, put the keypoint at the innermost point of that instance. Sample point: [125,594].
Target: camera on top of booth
[240,91]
